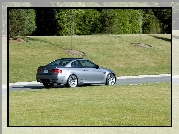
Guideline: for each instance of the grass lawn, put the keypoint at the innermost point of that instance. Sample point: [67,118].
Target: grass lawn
[112,51]
[142,105]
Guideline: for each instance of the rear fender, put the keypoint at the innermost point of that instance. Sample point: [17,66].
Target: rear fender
[68,74]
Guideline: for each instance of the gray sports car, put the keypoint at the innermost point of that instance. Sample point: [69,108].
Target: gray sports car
[72,72]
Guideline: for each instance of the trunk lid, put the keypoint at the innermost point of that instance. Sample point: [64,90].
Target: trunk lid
[47,69]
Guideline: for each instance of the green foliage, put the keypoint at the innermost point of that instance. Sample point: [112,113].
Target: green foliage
[93,21]
[108,21]
[119,21]
[82,21]
[163,13]
[151,24]
[4,12]
[129,19]
[164,16]
[21,22]
[87,22]
[63,17]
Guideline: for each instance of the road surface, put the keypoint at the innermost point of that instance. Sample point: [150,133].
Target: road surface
[123,80]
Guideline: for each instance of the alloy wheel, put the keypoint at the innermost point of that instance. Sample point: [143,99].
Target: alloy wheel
[72,81]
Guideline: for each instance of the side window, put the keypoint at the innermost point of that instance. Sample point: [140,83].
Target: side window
[76,64]
[59,62]
[54,63]
[87,64]
[64,63]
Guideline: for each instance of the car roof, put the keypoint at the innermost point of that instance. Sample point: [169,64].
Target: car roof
[72,58]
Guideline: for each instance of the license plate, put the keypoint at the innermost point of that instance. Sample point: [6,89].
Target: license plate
[45,71]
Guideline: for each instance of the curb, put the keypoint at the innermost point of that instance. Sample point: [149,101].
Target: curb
[22,83]
[143,76]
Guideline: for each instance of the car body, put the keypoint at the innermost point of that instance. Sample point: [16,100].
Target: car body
[73,72]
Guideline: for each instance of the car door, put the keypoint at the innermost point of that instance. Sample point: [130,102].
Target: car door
[76,68]
[92,74]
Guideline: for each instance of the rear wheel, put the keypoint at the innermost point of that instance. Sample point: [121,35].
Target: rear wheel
[111,79]
[72,81]
[48,85]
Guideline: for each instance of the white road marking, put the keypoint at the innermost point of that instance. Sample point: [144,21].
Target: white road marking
[143,76]
[126,77]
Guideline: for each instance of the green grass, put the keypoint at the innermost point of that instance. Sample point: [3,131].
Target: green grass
[142,105]
[112,51]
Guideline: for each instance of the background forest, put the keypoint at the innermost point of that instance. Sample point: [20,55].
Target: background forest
[61,22]
[158,18]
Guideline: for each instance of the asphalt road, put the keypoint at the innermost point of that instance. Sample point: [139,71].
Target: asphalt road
[120,81]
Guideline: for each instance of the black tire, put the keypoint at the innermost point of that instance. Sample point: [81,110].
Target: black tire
[110,79]
[72,81]
[48,85]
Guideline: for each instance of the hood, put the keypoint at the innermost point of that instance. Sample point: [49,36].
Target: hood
[107,69]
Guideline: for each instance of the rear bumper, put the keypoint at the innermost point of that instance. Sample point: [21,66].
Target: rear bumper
[56,79]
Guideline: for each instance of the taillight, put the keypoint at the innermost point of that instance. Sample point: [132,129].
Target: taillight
[56,71]
[38,70]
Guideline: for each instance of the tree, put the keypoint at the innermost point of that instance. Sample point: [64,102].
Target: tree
[87,22]
[4,12]
[21,22]
[128,21]
[165,17]
[152,24]
[63,18]
[108,20]
[119,21]
[142,19]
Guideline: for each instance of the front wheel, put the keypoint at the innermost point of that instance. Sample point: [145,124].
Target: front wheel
[48,85]
[111,79]
[72,81]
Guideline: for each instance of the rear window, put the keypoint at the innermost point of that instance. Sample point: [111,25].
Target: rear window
[59,62]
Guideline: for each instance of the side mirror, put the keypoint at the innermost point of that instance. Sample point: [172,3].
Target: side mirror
[96,66]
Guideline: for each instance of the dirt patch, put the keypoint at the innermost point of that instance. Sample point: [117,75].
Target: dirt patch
[17,40]
[75,52]
[142,45]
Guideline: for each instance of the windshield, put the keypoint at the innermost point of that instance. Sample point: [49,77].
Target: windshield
[59,62]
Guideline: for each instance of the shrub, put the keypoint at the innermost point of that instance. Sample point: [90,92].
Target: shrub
[21,22]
